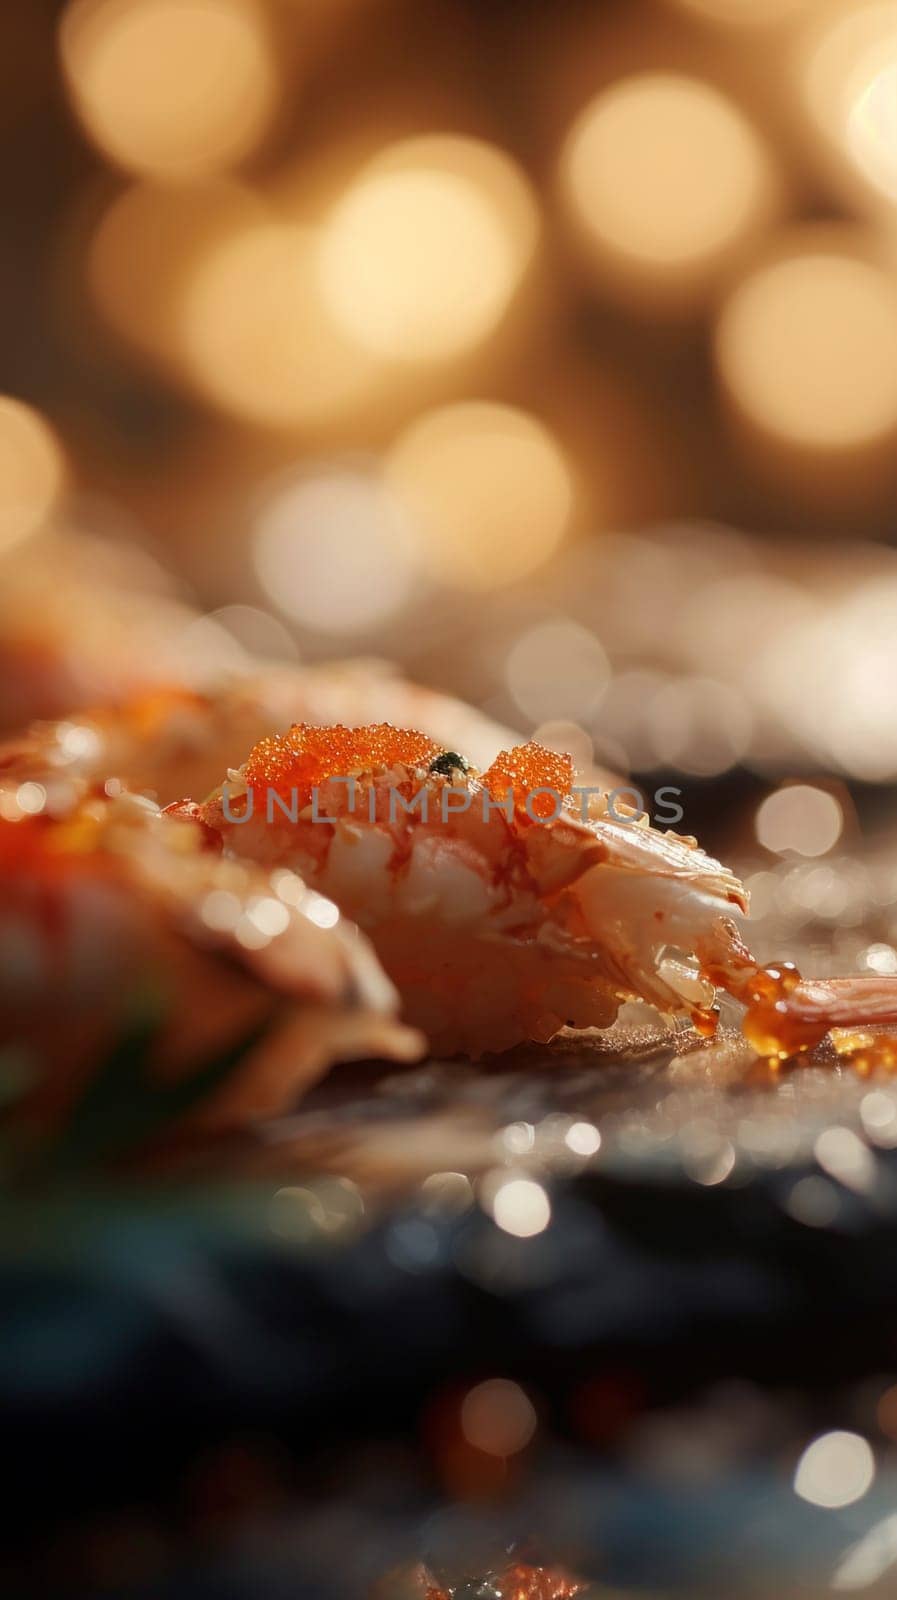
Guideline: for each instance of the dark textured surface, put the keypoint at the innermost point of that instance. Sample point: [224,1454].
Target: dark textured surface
[322,1315]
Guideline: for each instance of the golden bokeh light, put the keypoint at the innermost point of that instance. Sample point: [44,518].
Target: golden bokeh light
[32,471]
[557,669]
[332,552]
[422,254]
[699,726]
[835,1470]
[801,818]
[872,127]
[257,339]
[487,489]
[807,347]
[745,13]
[849,82]
[521,1207]
[829,675]
[174,89]
[663,177]
[498,1417]
[258,634]
[144,247]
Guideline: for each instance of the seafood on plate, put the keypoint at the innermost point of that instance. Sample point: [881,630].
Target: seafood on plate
[510,903]
[171,740]
[150,985]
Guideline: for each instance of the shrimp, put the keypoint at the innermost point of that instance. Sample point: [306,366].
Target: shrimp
[510,904]
[173,740]
[242,985]
[116,676]
[85,620]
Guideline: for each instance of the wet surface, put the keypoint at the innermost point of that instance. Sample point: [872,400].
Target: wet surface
[648,1101]
[638,1099]
[680,1259]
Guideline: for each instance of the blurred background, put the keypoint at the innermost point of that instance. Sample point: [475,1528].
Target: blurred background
[548,350]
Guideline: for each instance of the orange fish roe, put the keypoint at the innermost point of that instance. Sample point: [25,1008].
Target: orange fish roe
[528,768]
[307,756]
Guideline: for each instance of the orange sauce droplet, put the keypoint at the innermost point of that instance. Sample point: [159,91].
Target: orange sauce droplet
[774,982]
[768,1024]
[706,1022]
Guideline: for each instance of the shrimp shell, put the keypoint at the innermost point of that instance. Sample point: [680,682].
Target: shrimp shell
[503,928]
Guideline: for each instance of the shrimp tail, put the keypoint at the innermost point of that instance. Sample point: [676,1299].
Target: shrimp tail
[816,1006]
[786,1014]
